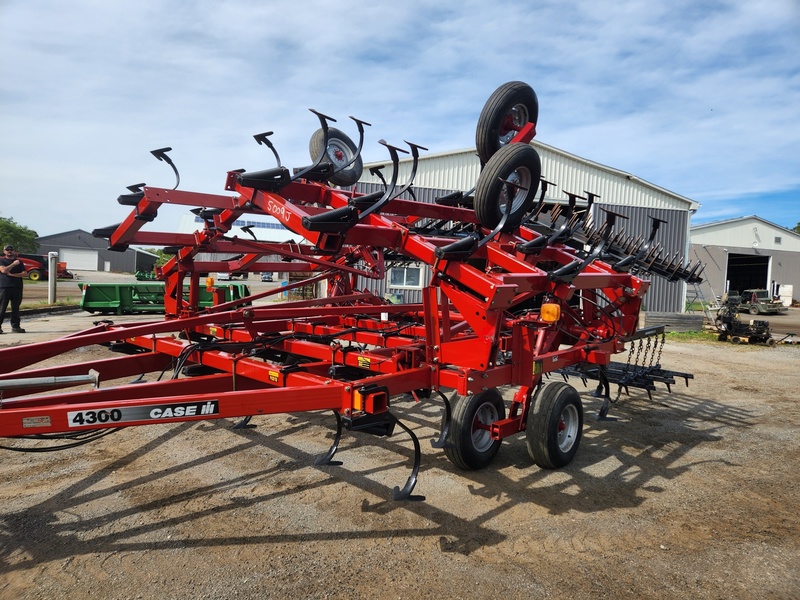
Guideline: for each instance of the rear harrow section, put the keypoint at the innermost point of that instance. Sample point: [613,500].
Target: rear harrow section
[519,288]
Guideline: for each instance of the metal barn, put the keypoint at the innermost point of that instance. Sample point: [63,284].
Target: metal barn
[84,252]
[746,253]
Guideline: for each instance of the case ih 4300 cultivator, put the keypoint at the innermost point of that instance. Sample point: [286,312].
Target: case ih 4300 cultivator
[520,287]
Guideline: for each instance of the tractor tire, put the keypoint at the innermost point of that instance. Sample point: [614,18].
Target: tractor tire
[515,163]
[469,444]
[753,310]
[507,110]
[339,152]
[555,423]
[34,274]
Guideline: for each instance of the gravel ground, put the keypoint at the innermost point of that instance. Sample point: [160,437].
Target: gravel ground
[693,493]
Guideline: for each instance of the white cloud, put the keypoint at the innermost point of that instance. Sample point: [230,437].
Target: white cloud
[701,98]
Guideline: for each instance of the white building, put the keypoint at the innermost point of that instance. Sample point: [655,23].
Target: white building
[747,253]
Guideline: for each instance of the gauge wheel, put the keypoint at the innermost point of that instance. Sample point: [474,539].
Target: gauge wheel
[339,152]
[511,175]
[470,445]
[507,110]
[555,423]
[34,275]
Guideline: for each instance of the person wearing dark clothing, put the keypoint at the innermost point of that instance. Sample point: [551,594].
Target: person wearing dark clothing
[11,273]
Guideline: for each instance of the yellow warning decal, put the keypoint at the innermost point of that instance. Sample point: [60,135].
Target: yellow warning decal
[364,362]
[274,376]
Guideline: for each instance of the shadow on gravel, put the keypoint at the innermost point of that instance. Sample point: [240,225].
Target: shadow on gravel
[621,463]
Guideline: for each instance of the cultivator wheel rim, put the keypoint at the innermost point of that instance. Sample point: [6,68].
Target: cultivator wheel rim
[521,182]
[568,425]
[338,153]
[481,434]
[514,120]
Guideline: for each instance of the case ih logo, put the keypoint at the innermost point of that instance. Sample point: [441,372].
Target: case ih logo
[128,414]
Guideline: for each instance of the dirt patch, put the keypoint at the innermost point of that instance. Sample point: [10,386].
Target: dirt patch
[690,493]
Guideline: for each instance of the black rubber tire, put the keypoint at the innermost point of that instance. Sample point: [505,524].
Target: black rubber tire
[34,274]
[555,424]
[514,102]
[736,340]
[340,151]
[518,163]
[753,310]
[468,446]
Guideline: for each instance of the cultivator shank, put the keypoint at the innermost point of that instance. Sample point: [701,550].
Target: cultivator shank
[520,287]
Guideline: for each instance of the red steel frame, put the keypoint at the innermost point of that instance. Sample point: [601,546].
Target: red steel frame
[349,352]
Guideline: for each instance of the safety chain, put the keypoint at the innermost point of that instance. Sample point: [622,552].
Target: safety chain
[660,348]
[627,368]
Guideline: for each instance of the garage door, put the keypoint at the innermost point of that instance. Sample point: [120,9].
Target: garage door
[78,260]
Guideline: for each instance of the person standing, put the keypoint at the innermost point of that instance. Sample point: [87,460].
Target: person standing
[11,273]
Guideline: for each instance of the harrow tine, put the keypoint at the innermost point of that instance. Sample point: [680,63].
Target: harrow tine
[394,154]
[161,154]
[263,139]
[360,124]
[555,212]
[678,267]
[405,493]
[390,193]
[540,205]
[448,418]
[323,121]
[327,458]
[693,276]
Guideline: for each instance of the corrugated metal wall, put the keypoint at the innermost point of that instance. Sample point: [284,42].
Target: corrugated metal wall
[459,171]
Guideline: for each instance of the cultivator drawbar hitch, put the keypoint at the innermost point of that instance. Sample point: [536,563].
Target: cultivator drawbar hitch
[520,286]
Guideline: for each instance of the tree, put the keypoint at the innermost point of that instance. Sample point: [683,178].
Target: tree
[797,228]
[19,236]
[163,257]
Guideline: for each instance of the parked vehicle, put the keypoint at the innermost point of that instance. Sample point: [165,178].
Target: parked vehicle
[731,327]
[36,267]
[267,277]
[758,302]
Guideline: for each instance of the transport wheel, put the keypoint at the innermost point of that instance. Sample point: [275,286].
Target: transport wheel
[469,443]
[35,275]
[754,309]
[736,340]
[771,342]
[518,164]
[555,422]
[340,151]
[507,110]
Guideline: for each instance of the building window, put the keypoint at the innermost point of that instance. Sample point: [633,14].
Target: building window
[409,276]
[777,239]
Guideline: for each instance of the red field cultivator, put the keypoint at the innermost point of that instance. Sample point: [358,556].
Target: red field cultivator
[520,288]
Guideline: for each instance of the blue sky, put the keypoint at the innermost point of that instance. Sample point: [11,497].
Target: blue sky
[701,98]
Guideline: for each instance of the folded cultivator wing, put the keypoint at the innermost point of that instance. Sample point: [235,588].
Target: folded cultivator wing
[520,287]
